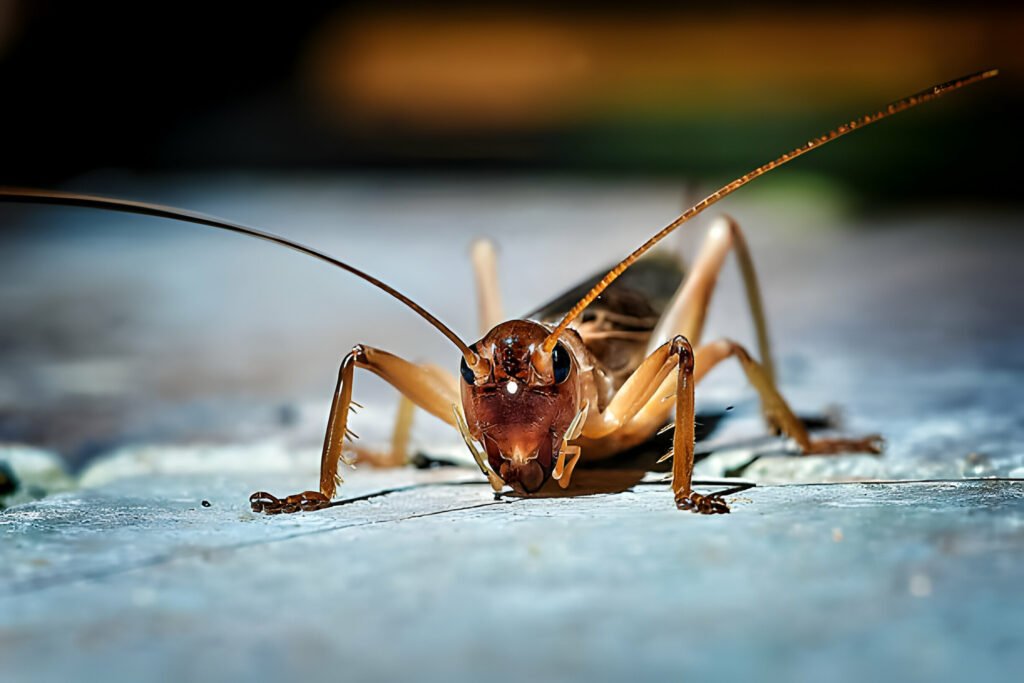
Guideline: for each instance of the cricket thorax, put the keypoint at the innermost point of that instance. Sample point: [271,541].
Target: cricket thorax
[519,401]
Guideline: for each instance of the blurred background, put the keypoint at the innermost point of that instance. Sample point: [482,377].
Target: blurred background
[392,133]
[658,88]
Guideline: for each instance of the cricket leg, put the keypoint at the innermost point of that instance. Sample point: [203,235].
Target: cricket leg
[637,411]
[398,453]
[657,411]
[687,311]
[484,260]
[637,391]
[691,368]
[485,270]
[683,441]
[424,386]
[774,406]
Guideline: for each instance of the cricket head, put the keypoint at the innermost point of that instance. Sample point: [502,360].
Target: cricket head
[519,401]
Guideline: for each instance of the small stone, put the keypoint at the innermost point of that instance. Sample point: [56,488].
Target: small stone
[31,473]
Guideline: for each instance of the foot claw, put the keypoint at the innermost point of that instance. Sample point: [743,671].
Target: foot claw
[711,504]
[269,504]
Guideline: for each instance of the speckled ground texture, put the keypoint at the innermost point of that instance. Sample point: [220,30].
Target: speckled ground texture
[207,382]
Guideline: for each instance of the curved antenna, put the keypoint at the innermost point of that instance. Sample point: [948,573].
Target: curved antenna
[894,108]
[30,196]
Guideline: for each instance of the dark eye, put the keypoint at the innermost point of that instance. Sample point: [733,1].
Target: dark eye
[560,363]
[467,373]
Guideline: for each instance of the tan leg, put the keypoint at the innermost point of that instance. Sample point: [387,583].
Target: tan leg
[774,406]
[683,440]
[485,268]
[636,393]
[482,254]
[646,397]
[484,259]
[676,390]
[398,454]
[687,311]
[657,411]
[423,386]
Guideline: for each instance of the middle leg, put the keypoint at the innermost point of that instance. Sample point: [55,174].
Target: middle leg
[485,271]
[687,312]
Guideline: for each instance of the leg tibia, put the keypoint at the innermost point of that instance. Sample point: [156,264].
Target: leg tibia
[426,387]
[777,412]
[485,270]
[688,309]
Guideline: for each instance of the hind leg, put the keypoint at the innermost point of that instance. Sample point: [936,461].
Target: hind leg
[687,311]
[659,408]
[485,272]
[675,390]
[774,406]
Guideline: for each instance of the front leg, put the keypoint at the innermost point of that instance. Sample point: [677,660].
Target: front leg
[427,387]
[683,438]
[640,407]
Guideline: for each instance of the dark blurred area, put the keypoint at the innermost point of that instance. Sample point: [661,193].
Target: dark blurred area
[648,89]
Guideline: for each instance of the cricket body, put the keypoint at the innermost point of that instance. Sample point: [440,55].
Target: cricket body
[578,378]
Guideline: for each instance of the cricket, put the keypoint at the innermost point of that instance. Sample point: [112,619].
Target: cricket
[600,369]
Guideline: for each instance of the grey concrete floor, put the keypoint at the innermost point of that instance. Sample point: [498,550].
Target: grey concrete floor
[138,581]
[117,335]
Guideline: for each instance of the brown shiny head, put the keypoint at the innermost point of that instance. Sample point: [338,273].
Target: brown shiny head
[519,401]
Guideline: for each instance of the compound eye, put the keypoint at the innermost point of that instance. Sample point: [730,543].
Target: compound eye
[467,373]
[560,363]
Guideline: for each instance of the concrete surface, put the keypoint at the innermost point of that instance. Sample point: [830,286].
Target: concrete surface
[137,580]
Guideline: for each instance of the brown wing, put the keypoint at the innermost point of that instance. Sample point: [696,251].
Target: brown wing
[617,326]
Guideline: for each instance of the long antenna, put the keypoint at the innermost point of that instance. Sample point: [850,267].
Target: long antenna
[894,108]
[31,196]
